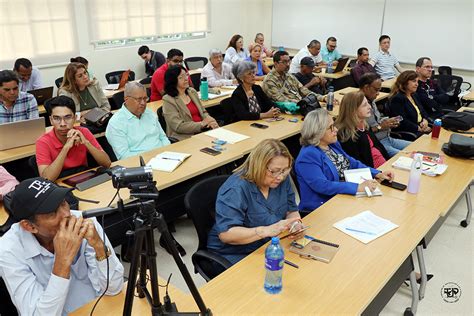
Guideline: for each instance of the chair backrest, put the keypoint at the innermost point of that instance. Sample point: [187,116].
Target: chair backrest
[161,118]
[200,204]
[450,84]
[228,111]
[117,100]
[196,80]
[146,80]
[33,165]
[6,306]
[115,76]
[58,81]
[445,70]
[195,62]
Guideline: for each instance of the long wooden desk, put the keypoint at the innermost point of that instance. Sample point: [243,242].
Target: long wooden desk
[387,84]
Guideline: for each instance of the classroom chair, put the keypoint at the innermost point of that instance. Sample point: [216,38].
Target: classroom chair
[195,62]
[58,82]
[199,203]
[115,76]
[117,100]
[196,80]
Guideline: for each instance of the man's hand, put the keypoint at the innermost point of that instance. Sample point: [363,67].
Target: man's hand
[66,243]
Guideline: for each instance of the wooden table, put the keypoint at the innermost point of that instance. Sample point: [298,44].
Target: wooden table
[469,96]
[41,109]
[387,84]
[268,61]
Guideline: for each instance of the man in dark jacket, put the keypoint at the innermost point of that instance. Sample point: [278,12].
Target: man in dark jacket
[152,59]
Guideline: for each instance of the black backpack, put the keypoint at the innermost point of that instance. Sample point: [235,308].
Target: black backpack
[458,121]
[459,146]
[308,104]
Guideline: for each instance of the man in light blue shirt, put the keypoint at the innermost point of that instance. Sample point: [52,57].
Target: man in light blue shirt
[135,129]
[30,77]
[53,261]
[329,52]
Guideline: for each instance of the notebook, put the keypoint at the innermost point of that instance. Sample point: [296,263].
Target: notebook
[365,226]
[428,168]
[167,161]
[228,136]
[313,248]
[358,176]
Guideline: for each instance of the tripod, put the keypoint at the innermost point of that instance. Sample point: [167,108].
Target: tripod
[144,257]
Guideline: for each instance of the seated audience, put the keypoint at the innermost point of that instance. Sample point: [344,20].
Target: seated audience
[235,50]
[362,65]
[85,62]
[153,60]
[312,50]
[354,134]
[86,94]
[305,75]
[281,86]
[182,109]
[15,105]
[266,52]
[255,203]
[370,84]
[404,102]
[218,74]
[134,128]
[53,261]
[174,57]
[66,146]
[248,100]
[384,62]
[321,163]
[261,68]
[29,76]
[329,52]
[7,183]
[428,92]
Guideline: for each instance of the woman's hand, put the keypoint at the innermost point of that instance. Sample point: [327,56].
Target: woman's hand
[371,184]
[279,227]
[273,112]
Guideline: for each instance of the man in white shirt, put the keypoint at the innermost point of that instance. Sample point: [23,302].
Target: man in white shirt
[53,261]
[311,50]
[30,77]
[218,73]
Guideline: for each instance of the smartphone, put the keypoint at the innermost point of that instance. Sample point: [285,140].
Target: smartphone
[258,125]
[210,151]
[394,185]
[296,232]
[399,118]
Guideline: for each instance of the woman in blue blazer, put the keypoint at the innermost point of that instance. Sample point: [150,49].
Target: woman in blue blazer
[321,163]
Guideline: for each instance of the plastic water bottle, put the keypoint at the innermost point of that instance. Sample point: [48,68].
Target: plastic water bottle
[436,129]
[330,99]
[204,89]
[415,174]
[281,48]
[329,70]
[274,260]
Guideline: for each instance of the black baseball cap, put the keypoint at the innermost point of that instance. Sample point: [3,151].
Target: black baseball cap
[36,196]
[307,61]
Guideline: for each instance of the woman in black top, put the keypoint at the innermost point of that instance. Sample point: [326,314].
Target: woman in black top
[356,138]
[248,100]
[404,102]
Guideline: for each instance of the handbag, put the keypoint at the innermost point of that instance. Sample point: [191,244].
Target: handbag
[459,146]
[97,117]
[308,103]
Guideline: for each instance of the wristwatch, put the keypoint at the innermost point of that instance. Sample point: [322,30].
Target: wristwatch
[107,254]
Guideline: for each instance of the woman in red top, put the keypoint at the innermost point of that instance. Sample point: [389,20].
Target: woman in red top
[356,138]
[182,109]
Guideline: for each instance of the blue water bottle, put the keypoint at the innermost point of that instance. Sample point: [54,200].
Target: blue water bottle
[329,70]
[204,89]
[330,99]
[274,259]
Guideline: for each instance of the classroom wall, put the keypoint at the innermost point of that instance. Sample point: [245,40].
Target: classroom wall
[228,17]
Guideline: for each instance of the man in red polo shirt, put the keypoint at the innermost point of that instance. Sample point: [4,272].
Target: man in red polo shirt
[66,146]
[174,57]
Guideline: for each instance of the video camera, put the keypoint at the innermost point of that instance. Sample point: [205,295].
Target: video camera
[137,178]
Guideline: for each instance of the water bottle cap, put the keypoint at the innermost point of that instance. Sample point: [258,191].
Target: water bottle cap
[331,88]
[437,122]
[275,240]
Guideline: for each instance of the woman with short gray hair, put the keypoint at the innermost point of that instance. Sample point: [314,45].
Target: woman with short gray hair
[248,100]
[321,164]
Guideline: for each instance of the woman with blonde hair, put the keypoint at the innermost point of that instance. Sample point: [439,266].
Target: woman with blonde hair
[86,94]
[257,202]
[321,164]
[256,58]
[356,138]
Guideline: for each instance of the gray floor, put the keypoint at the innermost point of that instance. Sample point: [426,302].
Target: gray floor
[449,257]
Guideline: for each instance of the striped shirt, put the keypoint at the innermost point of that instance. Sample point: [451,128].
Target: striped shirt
[24,108]
[384,64]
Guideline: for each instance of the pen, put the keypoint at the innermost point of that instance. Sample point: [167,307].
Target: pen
[292,264]
[359,231]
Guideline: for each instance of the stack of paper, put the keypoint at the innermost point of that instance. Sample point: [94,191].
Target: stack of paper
[228,136]
[358,176]
[365,226]
[167,161]
[428,168]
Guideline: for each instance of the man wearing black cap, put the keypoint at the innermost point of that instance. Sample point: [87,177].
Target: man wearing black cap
[53,261]
[308,79]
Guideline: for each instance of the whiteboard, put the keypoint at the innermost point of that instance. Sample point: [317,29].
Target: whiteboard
[439,29]
[354,23]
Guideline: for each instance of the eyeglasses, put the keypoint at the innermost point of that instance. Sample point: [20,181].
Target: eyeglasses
[332,128]
[140,100]
[67,118]
[276,174]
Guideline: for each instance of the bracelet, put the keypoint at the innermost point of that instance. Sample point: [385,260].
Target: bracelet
[107,254]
